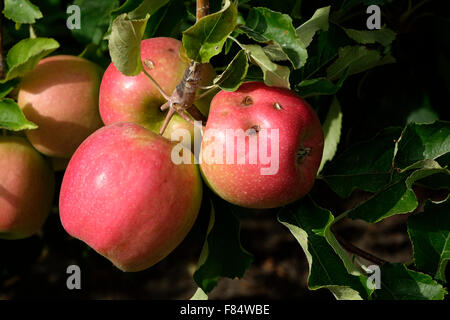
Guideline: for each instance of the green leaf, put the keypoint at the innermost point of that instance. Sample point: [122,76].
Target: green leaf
[138,9]
[199,295]
[25,55]
[95,20]
[222,254]
[264,25]
[424,113]
[317,87]
[332,132]
[356,59]
[206,37]
[383,36]
[366,165]
[429,232]
[422,141]
[234,74]
[425,168]
[12,118]
[306,32]
[400,283]
[146,7]
[320,86]
[397,198]
[127,6]
[125,44]
[254,73]
[323,50]
[329,266]
[229,42]
[7,87]
[319,21]
[167,21]
[21,11]
[274,74]
[274,52]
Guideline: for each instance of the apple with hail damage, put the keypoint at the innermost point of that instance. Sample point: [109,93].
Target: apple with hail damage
[235,166]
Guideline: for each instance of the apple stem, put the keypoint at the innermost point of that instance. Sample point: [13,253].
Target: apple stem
[357,251]
[32,32]
[183,97]
[166,121]
[193,110]
[165,106]
[160,89]
[208,87]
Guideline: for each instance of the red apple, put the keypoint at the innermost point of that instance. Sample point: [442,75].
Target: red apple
[123,196]
[61,96]
[26,188]
[294,148]
[136,99]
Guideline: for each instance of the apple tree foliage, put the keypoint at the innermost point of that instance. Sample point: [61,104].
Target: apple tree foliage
[315,52]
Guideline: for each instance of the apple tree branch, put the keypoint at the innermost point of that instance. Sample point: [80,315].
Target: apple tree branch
[182,99]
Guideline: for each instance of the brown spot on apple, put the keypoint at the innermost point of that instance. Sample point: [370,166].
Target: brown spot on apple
[302,153]
[247,101]
[255,129]
[277,106]
[149,64]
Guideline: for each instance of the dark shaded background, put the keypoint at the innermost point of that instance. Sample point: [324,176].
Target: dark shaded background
[382,97]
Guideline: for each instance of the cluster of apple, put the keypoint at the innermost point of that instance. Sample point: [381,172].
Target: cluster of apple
[122,193]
